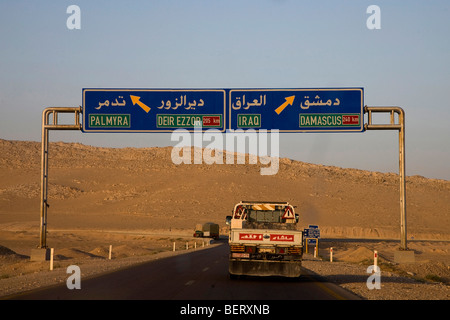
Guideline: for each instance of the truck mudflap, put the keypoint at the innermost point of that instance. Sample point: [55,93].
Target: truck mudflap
[291,269]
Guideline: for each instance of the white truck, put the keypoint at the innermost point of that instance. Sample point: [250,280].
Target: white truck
[264,240]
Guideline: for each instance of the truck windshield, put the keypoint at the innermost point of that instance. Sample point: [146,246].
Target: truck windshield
[265,216]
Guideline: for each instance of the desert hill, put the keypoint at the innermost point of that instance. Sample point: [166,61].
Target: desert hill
[139,189]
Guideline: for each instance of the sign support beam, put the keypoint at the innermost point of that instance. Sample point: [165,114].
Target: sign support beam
[50,122]
[400,126]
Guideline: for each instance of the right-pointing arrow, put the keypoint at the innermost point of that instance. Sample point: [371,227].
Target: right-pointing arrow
[289,101]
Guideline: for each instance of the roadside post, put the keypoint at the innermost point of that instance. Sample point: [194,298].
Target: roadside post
[375,259]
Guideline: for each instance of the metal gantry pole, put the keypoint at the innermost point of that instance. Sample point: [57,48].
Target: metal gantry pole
[400,126]
[44,182]
[46,126]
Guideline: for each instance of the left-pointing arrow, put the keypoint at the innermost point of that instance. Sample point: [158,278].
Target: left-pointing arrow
[136,100]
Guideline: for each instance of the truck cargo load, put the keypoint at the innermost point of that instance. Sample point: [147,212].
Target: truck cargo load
[207,230]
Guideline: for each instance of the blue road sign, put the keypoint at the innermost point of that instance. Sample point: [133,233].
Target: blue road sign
[313,231]
[153,110]
[165,110]
[297,110]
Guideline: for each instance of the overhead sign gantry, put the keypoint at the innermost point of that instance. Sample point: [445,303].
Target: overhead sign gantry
[165,110]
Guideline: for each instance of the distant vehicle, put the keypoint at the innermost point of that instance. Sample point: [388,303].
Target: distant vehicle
[207,230]
[264,240]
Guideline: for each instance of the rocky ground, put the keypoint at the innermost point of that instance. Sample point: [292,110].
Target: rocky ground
[140,202]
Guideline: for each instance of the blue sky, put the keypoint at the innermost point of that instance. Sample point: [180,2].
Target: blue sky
[237,44]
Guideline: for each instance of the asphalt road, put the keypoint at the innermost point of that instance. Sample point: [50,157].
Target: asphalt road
[199,275]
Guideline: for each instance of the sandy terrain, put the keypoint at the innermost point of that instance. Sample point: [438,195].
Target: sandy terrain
[139,202]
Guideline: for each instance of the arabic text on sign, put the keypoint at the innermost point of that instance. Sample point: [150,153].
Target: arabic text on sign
[181,101]
[115,103]
[238,104]
[318,103]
